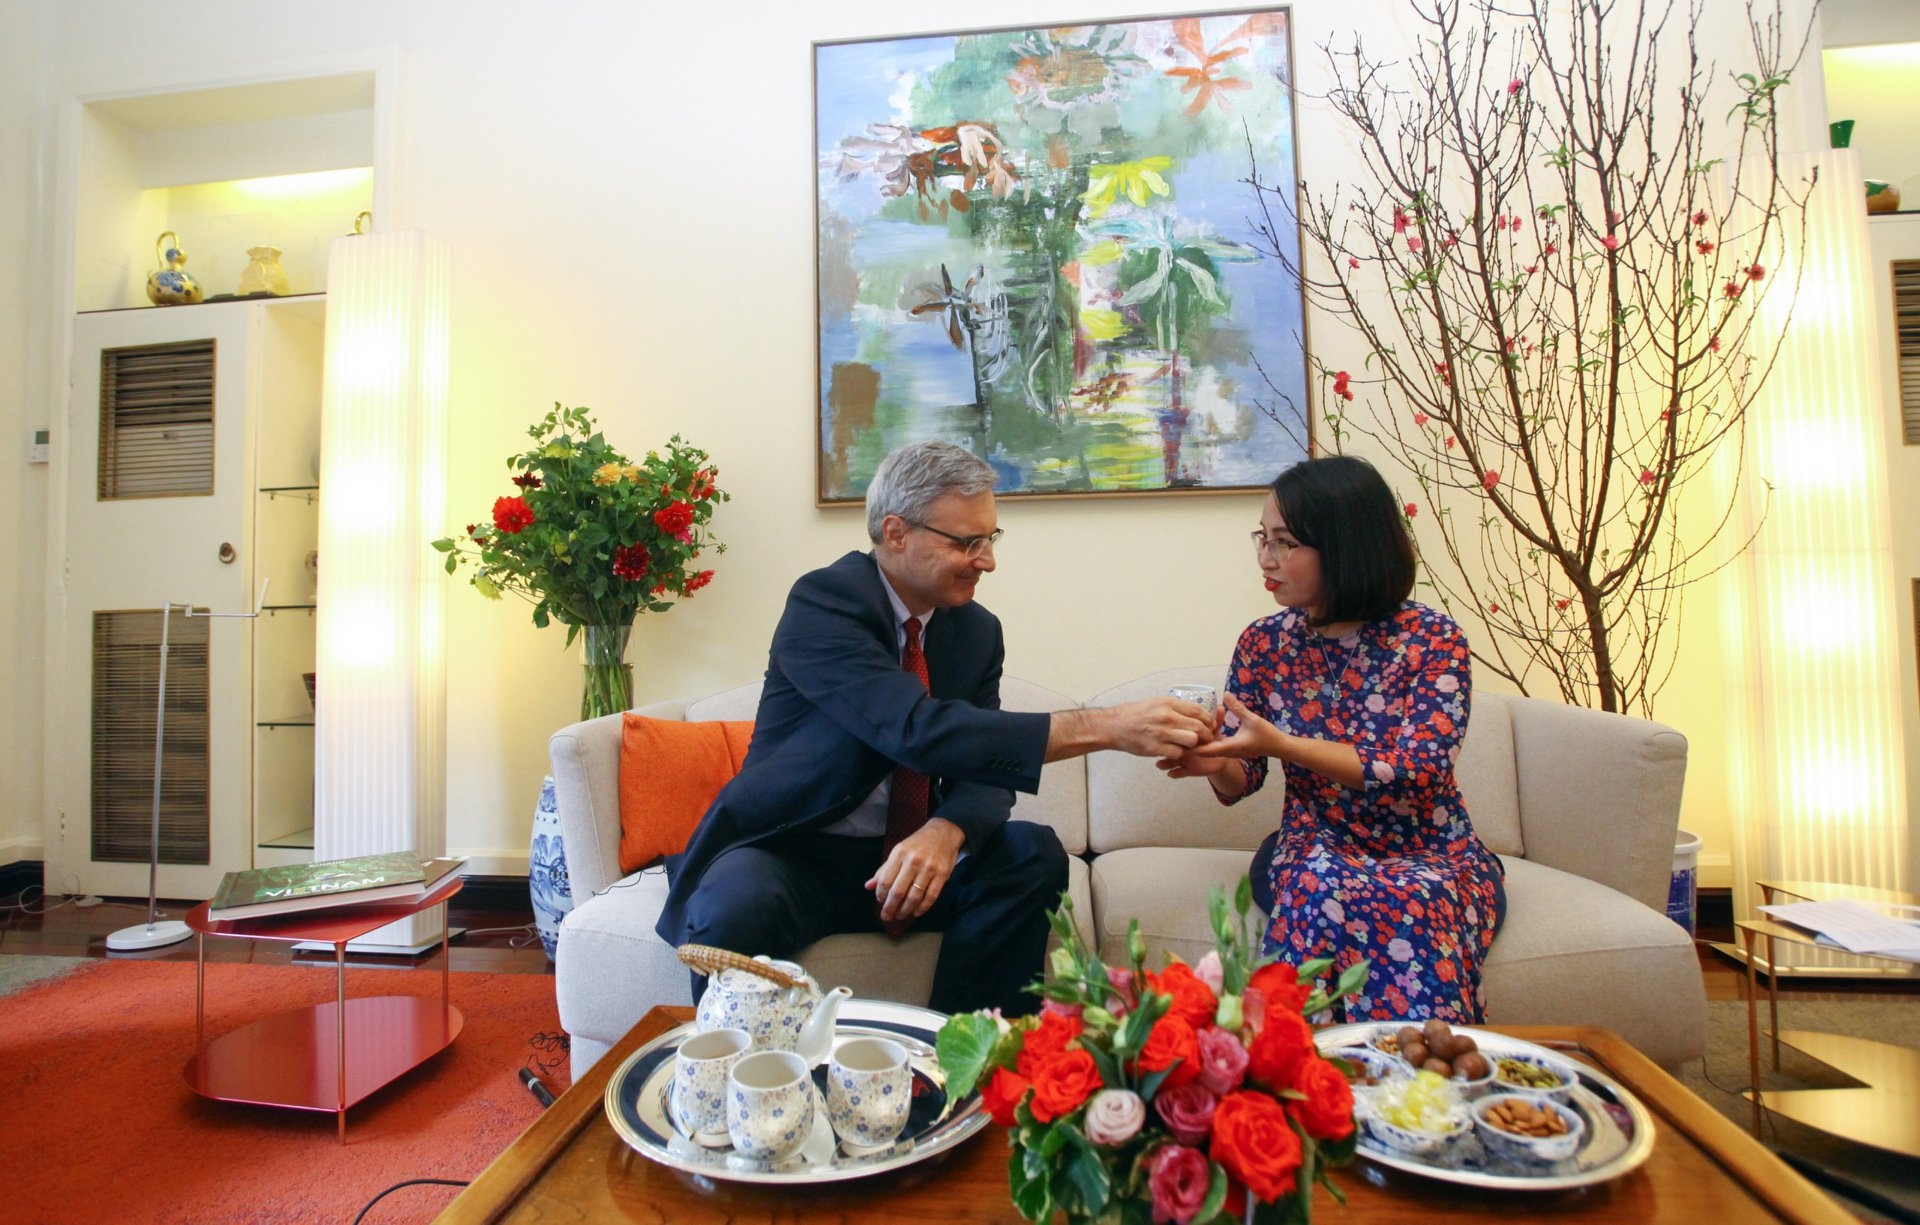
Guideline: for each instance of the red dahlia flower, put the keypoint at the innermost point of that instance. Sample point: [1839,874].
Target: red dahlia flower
[512,515]
[630,562]
[674,518]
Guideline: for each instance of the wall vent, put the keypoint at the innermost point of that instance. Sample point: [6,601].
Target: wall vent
[1906,331]
[126,682]
[156,421]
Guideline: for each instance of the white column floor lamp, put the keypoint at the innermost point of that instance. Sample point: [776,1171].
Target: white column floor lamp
[157,932]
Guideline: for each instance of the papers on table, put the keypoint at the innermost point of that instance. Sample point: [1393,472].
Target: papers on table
[1889,930]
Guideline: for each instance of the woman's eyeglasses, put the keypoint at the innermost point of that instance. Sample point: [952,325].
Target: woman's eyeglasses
[1263,543]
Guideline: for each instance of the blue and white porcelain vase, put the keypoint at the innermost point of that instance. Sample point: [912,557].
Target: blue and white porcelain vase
[547,871]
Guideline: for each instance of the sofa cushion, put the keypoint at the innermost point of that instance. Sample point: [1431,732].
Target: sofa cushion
[1488,775]
[1575,952]
[1166,890]
[669,773]
[1131,803]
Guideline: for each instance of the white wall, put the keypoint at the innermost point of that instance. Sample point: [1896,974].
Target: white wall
[628,192]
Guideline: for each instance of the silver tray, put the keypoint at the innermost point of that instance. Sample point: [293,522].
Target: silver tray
[636,1103]
[1619,1129]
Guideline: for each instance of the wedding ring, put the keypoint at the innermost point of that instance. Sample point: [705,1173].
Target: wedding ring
[916,888]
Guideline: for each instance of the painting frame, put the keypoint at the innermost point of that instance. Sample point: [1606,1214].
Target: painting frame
[1078,301]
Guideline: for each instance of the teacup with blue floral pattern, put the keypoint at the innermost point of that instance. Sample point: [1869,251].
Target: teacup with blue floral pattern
[869,1091]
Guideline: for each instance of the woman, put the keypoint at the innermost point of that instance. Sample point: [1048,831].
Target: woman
[1362,695]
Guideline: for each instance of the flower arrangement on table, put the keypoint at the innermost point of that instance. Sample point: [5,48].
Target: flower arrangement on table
[1192,1094]
[592,540]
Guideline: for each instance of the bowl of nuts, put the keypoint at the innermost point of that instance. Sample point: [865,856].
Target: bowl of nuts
[1528,1128]
[1524,1072]
[1364,1067]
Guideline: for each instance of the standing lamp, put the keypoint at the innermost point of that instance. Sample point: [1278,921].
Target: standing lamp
[155,932]
[380,726]
[1816,767]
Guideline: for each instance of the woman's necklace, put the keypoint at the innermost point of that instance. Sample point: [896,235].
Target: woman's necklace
[1330,683]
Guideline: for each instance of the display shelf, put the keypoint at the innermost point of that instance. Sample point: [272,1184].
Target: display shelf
[298,840]
[284,723]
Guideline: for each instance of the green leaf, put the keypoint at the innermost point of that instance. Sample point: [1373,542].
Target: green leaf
[965,1047]
[1032,1198]
[1216,1192]
[1086,1174]
[486,586]
[1110,1073]
[444,544]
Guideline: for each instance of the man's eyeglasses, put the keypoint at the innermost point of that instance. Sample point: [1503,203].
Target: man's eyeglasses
[1263,543]
[972,546]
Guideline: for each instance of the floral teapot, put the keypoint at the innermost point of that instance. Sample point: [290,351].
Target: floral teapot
[776,1002]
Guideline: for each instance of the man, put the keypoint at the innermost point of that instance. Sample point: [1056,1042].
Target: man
[870,800]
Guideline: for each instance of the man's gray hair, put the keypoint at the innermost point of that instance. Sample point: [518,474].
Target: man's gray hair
[914,477]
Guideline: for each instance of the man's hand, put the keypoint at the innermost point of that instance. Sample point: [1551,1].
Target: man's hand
[911,880]
[1156,727]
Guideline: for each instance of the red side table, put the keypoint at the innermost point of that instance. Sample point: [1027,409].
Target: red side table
[288,1059]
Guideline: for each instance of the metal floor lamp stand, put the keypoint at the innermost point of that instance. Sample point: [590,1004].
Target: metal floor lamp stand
[156,932]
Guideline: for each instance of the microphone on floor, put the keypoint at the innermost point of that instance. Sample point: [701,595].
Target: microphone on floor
[534,1085]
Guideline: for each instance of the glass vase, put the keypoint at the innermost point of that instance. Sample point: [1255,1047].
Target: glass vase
[608,678]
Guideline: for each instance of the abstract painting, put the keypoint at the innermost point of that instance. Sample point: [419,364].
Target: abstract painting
[1040,244]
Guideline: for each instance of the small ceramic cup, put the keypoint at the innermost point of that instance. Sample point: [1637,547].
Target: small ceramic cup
[1206,697]
[869,1091]
[769,1105]
[700,1070]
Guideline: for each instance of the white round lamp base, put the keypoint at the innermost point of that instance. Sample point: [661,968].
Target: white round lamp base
[149,935]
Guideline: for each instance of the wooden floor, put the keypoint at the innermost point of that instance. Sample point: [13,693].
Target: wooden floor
[503,942]
[495,942]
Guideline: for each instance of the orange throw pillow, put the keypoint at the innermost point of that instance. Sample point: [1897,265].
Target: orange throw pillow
[669,773]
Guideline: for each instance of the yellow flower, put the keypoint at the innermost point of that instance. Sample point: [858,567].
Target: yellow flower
[631,472]
[1139,180]
[606,474]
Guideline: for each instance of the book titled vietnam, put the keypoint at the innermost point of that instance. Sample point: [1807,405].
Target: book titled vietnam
[396,876]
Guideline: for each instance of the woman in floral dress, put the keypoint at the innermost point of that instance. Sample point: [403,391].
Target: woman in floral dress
[1362,695]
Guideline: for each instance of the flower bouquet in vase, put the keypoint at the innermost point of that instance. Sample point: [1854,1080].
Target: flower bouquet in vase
[592,540]
[1188,1094]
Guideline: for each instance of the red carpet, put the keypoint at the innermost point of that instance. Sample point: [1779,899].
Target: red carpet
[98,1125]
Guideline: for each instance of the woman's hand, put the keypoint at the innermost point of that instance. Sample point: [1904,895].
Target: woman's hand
[1256,737]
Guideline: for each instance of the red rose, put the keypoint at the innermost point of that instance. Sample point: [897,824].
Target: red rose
[1193,1001]
[512,515]
[697,582]
[1001,1094]
[1062,1083]
[1252,1142]
[674,518]
[1327,1112]
[1280,985]
[1046,1040]
[630,562]
[1276,1053]
[1172,1040]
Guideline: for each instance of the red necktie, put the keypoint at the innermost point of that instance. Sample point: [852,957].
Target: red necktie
[907,802]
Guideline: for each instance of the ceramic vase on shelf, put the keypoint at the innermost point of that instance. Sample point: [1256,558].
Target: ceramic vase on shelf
[263,273]
[607,677]
[171,284]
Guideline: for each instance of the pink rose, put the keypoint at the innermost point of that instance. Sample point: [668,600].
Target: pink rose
[1069,1011]
[1122,982]
[1114,1116]
[1223,1060]
[1178,1178]
[1208,971]
[1187,1111]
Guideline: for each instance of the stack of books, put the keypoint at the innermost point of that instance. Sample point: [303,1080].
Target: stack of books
[400,876]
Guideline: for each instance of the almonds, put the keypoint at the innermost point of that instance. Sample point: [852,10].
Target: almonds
[1524,1118]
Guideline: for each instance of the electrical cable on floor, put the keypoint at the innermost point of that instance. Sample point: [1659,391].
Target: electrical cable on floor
[411,1182]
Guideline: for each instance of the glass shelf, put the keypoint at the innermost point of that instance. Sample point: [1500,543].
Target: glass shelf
[285,723]
[298,840]
[307,493]
[276,608]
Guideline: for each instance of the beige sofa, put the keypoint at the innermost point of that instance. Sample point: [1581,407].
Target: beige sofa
[1582,807]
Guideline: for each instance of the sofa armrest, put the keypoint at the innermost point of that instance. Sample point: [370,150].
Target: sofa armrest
[1599,794]
[586,793]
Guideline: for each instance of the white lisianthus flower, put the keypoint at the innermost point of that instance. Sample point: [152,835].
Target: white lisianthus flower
[1114,1116]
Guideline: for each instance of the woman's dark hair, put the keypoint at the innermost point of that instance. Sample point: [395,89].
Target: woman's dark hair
[1341,507]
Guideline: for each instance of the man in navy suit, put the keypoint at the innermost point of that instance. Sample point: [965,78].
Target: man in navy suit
[807,839]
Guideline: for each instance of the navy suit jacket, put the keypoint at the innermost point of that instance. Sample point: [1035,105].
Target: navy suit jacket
[838,713]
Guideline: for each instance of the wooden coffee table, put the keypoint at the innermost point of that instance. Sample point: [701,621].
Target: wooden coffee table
[571,1166]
